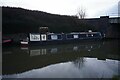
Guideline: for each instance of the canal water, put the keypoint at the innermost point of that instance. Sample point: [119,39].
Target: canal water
[98,59]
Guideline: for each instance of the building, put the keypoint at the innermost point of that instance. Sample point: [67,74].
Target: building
[109,27]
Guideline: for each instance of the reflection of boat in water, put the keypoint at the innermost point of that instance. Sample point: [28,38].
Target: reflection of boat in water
[57,49]
[32,57]
[60,49]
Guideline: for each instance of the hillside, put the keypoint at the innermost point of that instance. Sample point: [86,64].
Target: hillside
[18,20]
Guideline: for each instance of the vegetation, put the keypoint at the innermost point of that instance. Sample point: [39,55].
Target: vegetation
[81,14]
[18,20]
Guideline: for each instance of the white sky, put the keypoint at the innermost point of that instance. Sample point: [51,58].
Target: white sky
[64,7]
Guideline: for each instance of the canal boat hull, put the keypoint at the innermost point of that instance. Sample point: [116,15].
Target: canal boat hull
[53,38]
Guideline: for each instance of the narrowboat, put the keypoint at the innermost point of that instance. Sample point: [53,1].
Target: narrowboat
[7,41]
[55,38]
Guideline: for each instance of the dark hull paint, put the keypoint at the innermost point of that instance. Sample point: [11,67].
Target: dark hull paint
[53,42]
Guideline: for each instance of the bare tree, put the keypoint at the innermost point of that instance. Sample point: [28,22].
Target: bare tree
[81,13]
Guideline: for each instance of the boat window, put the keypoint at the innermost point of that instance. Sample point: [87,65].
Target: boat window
[43,37]
[54,37]
[82,35]
[49,37]
[96,35]
[34,37]
[90,35]
[70,36]
[76,36]
[59,36]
